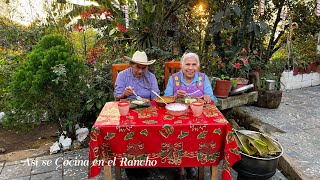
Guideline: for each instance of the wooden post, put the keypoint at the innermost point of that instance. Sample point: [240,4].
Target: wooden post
[107,173]
[214,172]
[201,173]
[118,173]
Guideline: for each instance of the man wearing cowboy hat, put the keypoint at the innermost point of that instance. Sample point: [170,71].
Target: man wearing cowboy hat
[136,78]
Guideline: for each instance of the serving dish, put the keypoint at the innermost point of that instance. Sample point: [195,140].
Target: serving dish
[177,109]
[167,99]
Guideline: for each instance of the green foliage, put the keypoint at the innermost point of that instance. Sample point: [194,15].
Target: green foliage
[99,90]
[158,67]
[16,37]
[277,65]
[270,76]
[7,68]
[83,41]
[304,50]
[49,82]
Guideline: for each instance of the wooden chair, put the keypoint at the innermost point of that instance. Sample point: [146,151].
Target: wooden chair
[170,68]
[116,68]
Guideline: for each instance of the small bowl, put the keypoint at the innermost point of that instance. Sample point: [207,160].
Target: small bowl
[177,109]
[168,100]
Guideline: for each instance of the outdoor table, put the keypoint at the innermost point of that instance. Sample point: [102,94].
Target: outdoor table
[161,140]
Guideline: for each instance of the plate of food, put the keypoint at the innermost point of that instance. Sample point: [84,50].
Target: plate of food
[188,100]
[140,103]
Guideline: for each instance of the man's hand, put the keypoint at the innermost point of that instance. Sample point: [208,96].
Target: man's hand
[128,91]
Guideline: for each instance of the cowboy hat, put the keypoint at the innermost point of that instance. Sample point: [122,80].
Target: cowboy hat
[140,58]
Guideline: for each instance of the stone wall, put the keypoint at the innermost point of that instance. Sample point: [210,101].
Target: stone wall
[289,81]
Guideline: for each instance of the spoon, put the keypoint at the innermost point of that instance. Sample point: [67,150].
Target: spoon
[138,97]
[193,92]
[159,96]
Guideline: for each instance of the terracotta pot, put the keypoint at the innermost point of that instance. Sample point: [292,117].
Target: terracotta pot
[222,88]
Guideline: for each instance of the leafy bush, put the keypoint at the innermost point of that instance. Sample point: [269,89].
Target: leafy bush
[304,50]
[99,91]
[46,86]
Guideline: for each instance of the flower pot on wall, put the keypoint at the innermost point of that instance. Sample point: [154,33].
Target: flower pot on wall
[222,88]
[318,68]
[307,69]
[313,67]
[296,70]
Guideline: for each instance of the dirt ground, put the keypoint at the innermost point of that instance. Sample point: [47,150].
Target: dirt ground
[39,137]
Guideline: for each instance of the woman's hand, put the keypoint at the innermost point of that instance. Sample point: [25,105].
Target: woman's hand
[206,98]
[181,94]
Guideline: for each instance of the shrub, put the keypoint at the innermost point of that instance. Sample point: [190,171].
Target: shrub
[46,86]
[99,90]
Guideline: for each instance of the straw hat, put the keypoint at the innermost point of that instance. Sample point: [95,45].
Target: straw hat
[140,58]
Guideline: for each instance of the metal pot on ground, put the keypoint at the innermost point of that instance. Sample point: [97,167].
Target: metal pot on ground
[256,168]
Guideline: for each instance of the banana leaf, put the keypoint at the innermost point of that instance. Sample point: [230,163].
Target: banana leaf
[256,144]
[263,150]
[272,146]
[244,144]
[257,138]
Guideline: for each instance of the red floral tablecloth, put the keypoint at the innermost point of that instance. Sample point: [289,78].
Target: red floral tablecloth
[149,137]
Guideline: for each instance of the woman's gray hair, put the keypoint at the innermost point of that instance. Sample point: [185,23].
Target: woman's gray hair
[189,55]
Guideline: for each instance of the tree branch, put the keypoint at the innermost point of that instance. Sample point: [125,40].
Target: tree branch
[271,41]
[280,35]
[175,6]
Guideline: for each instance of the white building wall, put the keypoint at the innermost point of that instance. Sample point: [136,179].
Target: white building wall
[289,81]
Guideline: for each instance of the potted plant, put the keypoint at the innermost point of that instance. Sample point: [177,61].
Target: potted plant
[304,53]
[222,87]
[221,79]
[259,155]
[269,93]
[240,69]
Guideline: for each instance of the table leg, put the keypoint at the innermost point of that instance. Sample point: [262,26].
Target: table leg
[118,173]
[107,173]
[214,172]
[201,173]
